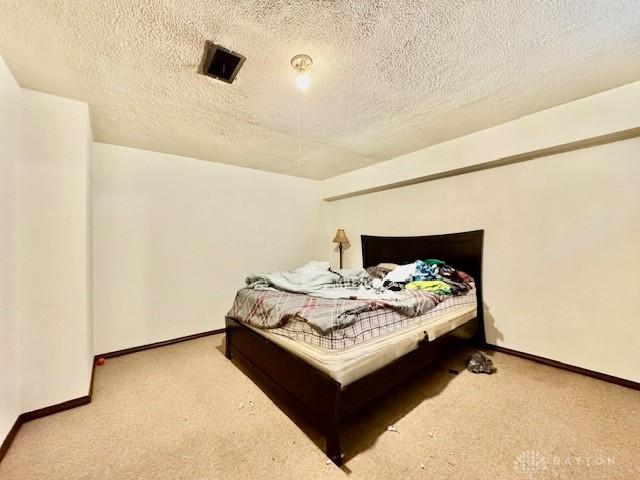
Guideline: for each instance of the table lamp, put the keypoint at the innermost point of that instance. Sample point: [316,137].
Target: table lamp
[340,238]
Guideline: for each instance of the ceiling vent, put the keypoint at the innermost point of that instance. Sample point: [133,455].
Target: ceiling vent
[220,63]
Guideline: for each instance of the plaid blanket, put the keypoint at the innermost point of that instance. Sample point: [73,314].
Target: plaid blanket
[272,308]
[372,324]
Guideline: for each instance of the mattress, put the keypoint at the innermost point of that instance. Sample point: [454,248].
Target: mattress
[352,363]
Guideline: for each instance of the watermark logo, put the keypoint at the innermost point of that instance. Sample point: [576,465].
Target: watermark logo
[530,463]
[533,464]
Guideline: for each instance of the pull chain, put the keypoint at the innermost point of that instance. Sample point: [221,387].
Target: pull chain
[298,127]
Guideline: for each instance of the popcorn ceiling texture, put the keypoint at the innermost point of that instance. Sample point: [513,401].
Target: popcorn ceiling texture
[389,77]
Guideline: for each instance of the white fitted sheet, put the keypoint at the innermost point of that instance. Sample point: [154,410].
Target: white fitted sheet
[352,363]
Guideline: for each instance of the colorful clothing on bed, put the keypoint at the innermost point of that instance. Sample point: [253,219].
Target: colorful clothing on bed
[434,261]
[437,270]
[425,271]
[434,286]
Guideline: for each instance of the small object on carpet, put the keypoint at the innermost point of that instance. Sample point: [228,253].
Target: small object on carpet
[480,362]
[392,428]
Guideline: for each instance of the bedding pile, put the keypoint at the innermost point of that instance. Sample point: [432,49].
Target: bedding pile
[329,301]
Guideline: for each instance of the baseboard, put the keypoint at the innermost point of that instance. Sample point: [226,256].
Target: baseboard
[44,412]
[57,408]
[164,343]
[80,401]
[564,366]
[10,436]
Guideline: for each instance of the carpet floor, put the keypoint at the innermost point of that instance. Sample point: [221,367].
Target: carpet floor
[185,412]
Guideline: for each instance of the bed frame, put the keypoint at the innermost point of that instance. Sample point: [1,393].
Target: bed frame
[320,398]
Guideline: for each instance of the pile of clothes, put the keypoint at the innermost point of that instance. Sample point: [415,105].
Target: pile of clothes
[379,282]
[432,275]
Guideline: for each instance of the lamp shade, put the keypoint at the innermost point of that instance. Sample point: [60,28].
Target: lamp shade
[340,237]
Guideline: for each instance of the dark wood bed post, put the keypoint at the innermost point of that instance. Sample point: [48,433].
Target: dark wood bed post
[324,401]
[227,342]
[333,450]
[332,433]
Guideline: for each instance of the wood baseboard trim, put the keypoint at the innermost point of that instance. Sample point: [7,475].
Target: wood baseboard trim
[44,412]
[10,436]
[80,401]
[39,413]
[57,408]
[164,343]
[564,366]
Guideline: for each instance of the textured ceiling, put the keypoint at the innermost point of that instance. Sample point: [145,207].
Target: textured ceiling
[389,77]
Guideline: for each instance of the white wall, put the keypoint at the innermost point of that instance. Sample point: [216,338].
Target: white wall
[53,231]
[561,248]
[10,104]
[45,325]
[611,113]
[175,237]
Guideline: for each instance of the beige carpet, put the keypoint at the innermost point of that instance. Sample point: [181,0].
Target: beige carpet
[174,413]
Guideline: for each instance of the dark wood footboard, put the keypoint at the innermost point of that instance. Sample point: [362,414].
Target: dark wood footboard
[318,397]
[309,391]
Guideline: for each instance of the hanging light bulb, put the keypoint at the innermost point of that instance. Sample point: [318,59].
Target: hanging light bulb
[302,63]
[303,81]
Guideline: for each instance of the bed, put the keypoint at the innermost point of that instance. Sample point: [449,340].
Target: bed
[305,377]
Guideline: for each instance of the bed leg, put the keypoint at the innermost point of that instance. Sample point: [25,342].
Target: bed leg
[227,346]
[333,445]
[480,337]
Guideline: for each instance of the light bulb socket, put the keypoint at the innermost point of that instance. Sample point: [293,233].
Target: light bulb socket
[301,62]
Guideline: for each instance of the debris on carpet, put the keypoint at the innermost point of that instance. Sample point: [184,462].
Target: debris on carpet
[480,362]
[252,407]
[392,428]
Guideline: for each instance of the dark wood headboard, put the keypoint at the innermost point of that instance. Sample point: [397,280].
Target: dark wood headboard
[460,250]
